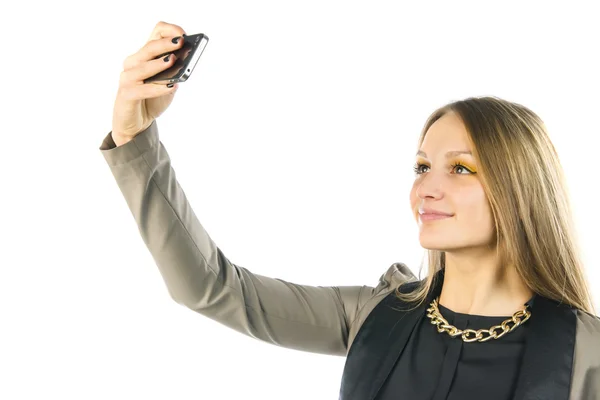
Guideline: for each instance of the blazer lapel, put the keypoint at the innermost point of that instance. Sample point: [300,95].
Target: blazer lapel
[548,358]
[379,342]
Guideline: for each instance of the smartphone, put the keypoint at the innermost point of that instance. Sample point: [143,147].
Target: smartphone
[186,59]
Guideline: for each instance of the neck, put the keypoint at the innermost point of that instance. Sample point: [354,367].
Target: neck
[477,284]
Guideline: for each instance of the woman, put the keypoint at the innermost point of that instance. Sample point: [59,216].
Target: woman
[504,313]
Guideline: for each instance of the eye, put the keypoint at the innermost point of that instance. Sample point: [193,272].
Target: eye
[456,165]
[417,168]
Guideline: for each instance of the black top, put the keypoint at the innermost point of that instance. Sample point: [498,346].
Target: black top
[436,366]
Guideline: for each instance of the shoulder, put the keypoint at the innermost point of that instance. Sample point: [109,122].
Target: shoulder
[586,369]
[587,338]
[398,274]
[588,324]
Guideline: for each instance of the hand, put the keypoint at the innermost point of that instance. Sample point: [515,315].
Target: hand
[138,104]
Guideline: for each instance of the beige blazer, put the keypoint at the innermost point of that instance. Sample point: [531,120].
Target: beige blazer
[310,318]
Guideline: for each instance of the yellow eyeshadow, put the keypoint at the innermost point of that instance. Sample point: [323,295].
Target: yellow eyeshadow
[453,161]
[467,165]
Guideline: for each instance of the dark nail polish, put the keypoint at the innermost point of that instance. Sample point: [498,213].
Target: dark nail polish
[170,85]
[167,58]
[175,39]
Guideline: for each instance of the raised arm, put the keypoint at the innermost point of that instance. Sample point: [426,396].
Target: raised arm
[199,276]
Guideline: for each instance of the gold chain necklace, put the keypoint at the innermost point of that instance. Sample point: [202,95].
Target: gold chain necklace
[442,324]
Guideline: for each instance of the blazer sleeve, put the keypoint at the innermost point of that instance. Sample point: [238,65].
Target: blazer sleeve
[199,276]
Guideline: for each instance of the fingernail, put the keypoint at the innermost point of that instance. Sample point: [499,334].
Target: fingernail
[184,35]
[167,58]
[175,39]
[170,85]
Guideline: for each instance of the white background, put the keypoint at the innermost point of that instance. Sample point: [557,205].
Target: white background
[294,141]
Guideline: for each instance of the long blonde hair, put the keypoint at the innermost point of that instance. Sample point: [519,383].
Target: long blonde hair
[525,185]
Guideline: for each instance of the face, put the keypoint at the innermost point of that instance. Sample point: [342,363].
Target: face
[448,182]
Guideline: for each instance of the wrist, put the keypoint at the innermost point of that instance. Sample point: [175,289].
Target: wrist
[119,139]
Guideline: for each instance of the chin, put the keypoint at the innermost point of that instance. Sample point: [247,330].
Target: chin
[432,243]
[434,247]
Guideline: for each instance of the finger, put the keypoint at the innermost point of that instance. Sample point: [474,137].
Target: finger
[165,30]
[147,69]
[146,91]
[151,50]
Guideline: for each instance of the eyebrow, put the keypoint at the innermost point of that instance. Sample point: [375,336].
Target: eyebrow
[448,154]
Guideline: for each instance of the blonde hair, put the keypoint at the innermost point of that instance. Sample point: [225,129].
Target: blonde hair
[523,179]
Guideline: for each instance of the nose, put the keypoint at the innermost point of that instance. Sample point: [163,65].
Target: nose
[430,186]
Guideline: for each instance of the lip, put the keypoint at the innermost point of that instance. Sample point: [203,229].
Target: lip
[431,217]
[431,212]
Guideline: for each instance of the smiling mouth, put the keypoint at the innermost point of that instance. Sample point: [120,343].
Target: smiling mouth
[432,217]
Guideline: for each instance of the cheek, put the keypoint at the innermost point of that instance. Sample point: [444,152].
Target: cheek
[478,207]
[413,198]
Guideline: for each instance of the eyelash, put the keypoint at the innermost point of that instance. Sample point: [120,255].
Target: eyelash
[456,164]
